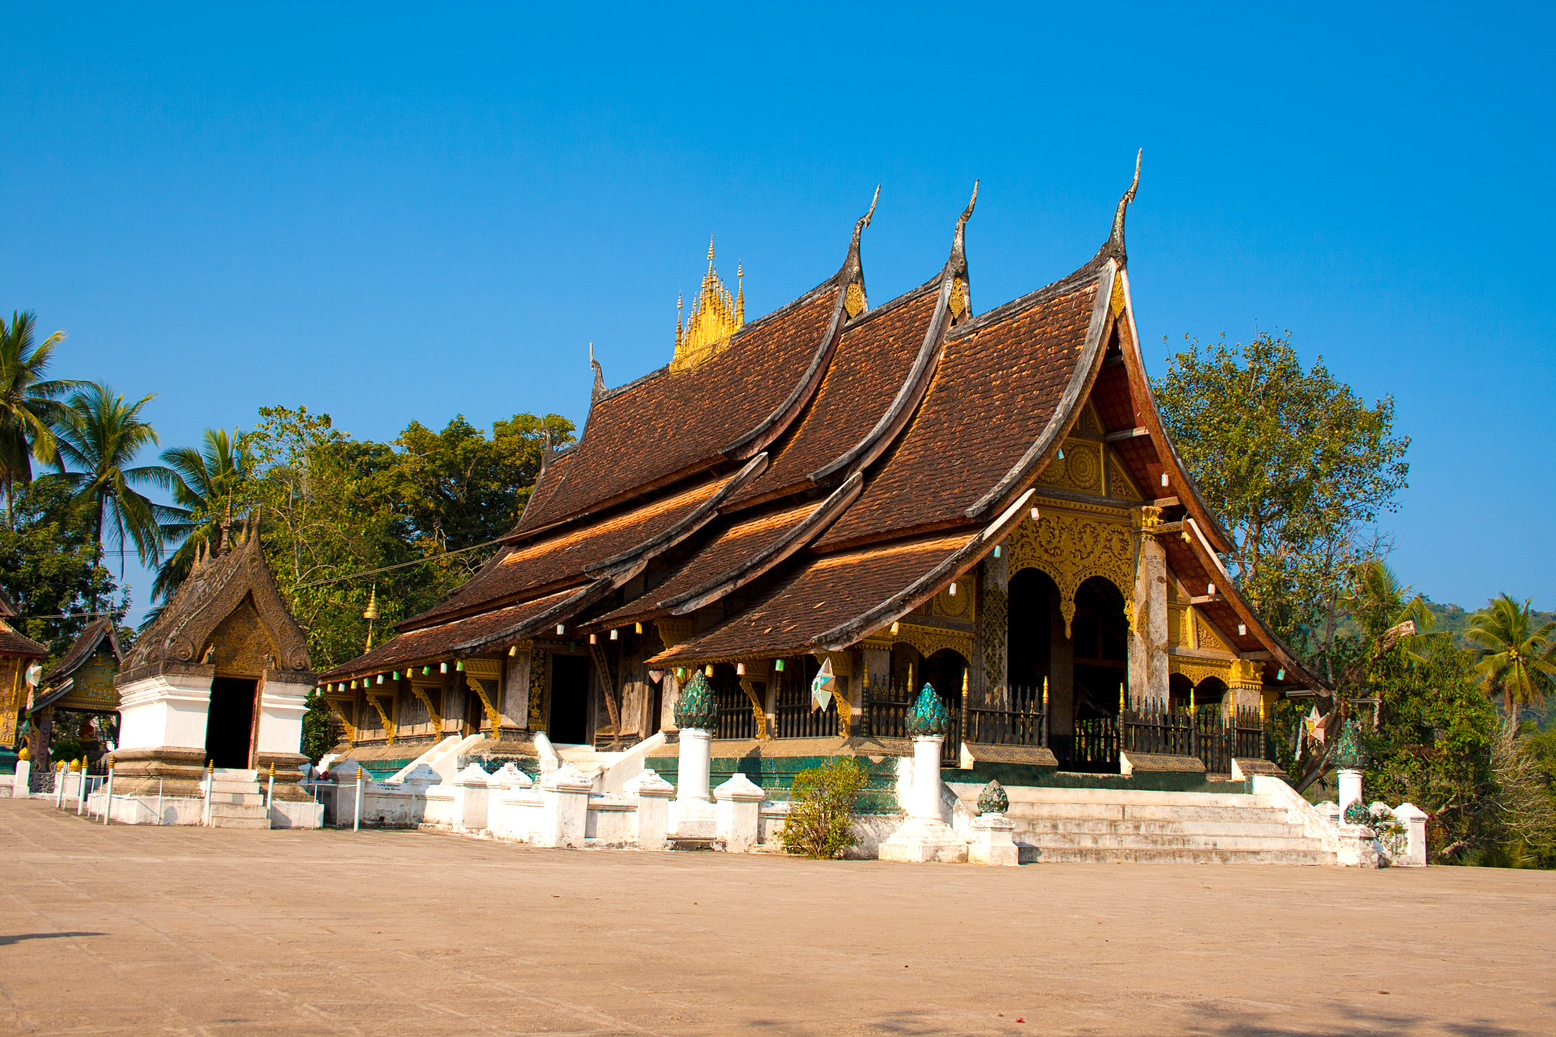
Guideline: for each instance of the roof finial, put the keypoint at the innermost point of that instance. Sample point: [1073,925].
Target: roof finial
[1117,238]
[599,375]
[710,249]
[958,259]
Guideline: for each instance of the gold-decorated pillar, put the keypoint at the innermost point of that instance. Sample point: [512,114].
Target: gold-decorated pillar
[1148,671]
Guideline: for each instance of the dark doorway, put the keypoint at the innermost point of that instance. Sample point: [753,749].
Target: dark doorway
[1033,598]
[569,700]
[230,722]
[1101,644]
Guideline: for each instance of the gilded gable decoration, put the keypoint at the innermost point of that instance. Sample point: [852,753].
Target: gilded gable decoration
[1080,468]
[714,318]
[1072,549]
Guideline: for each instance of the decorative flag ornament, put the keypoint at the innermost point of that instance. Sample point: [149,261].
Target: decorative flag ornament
[1315,729]
[34,674]
[821,687]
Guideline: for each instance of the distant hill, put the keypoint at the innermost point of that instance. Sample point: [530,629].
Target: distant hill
[1454,620]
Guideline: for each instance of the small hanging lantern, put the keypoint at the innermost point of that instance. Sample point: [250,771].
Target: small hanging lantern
[460,666]
[614,634]
[708,670]
[996,551]
[396,674]
[740,669]
[380,679]
[894,628]
[561,628]
[1210,588]
[443,667]
[953,588]
[778,665]
[1280,675]
[680,673]
[353,685]
[637,628]
[1061,453]
[1164,478]
[593,639]
[1242,630]
[1033,514]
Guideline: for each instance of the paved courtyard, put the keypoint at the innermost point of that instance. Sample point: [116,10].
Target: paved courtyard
[195,931]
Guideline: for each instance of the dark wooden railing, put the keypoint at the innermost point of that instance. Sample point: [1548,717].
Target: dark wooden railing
[805,721]
[1207,733]
[735,721]
[1024,723]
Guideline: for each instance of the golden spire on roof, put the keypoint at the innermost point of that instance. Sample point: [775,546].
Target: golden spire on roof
[714,318]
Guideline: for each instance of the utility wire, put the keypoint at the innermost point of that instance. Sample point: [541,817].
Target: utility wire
[397,565]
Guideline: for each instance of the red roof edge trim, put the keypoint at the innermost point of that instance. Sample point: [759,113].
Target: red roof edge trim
[1145,406]
[1068,409]
[928,585]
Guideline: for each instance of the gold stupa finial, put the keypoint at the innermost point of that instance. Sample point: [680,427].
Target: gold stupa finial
[714,318]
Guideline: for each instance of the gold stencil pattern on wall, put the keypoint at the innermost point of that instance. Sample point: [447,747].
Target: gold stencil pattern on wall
[1072,549]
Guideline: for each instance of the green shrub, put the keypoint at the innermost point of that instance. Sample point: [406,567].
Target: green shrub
[823,799]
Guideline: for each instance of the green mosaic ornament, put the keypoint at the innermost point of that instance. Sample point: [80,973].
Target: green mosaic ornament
[993,800]
[1358,814]
[929,716]
[1348,755]
[696,707]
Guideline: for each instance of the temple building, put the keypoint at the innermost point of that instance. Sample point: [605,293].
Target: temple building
[18,654]
[80,684]
[908,492]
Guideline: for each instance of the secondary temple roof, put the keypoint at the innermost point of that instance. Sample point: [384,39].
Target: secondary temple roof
[821,471]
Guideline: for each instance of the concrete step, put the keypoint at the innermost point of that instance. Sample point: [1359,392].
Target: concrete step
[234,786]
[238,797]
[234,774]
[1083,840]
[1130,797]
[1118,812]
[1179,855]
[1044,826]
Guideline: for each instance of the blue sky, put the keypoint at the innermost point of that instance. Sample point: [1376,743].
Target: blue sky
[393,213]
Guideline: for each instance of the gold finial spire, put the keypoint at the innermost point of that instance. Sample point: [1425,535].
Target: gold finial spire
[714,318]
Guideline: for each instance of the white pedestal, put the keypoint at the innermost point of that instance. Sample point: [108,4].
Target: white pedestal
[926,777]
[566,793]
[993,841]
[739,807]
[1409,815]
[653,813]
[1350,789]
[1357,847]
[692,815]
[21,783]
[925,837]
[470,798]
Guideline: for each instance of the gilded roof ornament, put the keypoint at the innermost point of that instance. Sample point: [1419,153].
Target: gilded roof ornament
[1117,237]
[714,318]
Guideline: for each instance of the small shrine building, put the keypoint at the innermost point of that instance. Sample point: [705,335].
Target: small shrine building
[909,492]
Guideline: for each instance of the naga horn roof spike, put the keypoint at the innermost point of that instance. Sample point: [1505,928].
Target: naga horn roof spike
[957,254]
[851,264]
[1117,238]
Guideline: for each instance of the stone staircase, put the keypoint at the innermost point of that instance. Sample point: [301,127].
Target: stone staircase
[236,800]
[1137,826]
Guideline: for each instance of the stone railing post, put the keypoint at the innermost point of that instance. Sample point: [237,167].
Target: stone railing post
[470,795]
[1414,820]
[652,818]
[695,714]
[21,782]
[739,805]
[566,795]
[993,841]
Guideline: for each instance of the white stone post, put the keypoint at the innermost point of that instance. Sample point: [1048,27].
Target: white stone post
[739,804]
[470,794]
[652,818]
[1414,820]
[21,784]
[691,774]
[926,777]
[1350,789]
[566,794]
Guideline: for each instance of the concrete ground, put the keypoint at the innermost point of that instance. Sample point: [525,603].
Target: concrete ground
[196,931]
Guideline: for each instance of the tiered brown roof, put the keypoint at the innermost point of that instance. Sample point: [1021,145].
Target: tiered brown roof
[13,641]
[881,454]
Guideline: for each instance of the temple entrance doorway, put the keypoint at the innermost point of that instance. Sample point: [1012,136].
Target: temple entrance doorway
[1100,641]
[1034,601]
[229,723]
[569,700]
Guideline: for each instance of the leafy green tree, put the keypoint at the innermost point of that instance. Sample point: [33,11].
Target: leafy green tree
[1517,662]
[29,403]
[48,556]
[99,436]
[210,486]
[820,812]
[1298,466]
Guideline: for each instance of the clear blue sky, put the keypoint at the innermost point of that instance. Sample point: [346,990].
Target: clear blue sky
[393,213]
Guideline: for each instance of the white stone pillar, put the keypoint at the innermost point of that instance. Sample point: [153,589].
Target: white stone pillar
[1414,820]
[566,794]
[739,804]
[691,776]
[470,795]
[1350,789]
[652,818]
[926,777]
[281,709]
[993,841]
[165,712]
[21,786]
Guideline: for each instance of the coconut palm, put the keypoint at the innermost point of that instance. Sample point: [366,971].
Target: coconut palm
[209,487]
[1380,604]
[98,436]
[1516,659]
[29,403]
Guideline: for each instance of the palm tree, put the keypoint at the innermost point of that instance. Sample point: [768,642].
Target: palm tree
[209,484]
[99,435]
[1380,604]
[1516,661]
[28,402]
